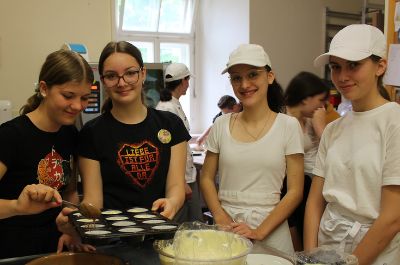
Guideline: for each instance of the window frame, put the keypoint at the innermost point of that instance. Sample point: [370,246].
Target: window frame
[117,27]
[156,38]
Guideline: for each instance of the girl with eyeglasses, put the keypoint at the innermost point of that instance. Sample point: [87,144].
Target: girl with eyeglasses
[353,205]
[253,151]
[131,155]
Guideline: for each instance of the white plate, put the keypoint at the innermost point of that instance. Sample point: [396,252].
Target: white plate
[264,259]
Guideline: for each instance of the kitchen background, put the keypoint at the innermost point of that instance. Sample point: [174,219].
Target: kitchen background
[292,32]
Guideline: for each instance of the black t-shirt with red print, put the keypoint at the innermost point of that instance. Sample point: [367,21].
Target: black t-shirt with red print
[134,158]
[33,156]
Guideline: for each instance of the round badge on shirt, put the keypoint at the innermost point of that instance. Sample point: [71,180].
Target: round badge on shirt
[164,136]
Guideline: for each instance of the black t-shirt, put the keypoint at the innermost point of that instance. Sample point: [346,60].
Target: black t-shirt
[134,158]
[33,156]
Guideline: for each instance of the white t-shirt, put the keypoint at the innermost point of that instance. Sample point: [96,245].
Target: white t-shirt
[175,107]
[358,154]
[258,166]
[311,142]
[251,174]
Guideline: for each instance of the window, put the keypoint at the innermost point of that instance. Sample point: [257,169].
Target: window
[173,16]
[161,29]
[147,50]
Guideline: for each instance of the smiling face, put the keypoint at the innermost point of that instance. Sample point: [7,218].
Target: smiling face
[117,65]
[250,83]
[63,103]
[357,81]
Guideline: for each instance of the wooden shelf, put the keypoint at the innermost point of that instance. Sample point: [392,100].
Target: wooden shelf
[335,21]
[350,16]
[334,27]
[392,38]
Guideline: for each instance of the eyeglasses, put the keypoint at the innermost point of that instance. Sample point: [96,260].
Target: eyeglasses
[252,76]
[130,77]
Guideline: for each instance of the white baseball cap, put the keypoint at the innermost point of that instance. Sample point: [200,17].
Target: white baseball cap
[176,71]
[251,54]
[354,43]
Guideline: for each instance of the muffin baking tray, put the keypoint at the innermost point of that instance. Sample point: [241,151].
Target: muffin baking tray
[134,223]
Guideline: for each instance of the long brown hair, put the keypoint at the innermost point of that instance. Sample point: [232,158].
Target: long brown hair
[275,98]
[60,67]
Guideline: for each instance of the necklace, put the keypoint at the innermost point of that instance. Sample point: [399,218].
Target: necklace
[247,131]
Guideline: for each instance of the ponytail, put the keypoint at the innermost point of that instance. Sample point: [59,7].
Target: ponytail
[165,95]
[32,103]
[275,96]
[383,92]
[381,88]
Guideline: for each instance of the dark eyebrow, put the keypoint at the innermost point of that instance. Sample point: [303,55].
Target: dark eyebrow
[125,70]
[134,68]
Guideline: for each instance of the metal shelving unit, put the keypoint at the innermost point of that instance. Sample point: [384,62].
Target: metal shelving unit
[335,21]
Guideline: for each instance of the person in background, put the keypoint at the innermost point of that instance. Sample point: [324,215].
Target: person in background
[252,151]
[39,146]
[226,104]
[353,205]
[130,155]
[305,98]
[34,199]
[177,77]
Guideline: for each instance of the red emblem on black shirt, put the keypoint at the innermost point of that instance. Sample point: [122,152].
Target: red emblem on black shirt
[53,170]
[139,162]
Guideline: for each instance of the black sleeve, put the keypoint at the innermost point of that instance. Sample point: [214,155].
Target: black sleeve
[86,146]
[8,141]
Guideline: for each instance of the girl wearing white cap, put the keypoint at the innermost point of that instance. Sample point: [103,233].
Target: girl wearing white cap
[177,77]
[252,151]
[354,200]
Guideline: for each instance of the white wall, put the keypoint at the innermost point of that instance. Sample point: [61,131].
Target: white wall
[29,30]
[292,32]
[221,26]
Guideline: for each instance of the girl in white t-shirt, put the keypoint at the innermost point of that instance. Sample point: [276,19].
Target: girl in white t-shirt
[305,98]
[353,203]
[252,151]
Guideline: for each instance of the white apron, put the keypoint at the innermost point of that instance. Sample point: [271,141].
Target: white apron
[345,234]
[252,209]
